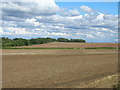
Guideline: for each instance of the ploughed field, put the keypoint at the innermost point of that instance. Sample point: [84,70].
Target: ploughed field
[56,68]
[71,45]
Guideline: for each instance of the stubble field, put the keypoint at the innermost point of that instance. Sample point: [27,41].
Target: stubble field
[57,68]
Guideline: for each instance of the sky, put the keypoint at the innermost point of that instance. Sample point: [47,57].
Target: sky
[91,21]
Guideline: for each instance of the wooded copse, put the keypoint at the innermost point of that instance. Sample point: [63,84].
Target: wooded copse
[7,42]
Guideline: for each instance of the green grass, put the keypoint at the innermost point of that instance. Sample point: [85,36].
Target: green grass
[117,85]
[41,48]
[101,48]
[63,48]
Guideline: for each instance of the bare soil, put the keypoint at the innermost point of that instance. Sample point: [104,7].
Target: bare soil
[39,68]
[71,45]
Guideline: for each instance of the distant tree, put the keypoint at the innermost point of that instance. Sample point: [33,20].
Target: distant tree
[77,40]
[6,42]
[34,41]
[21,41]
[50,40]
[62,40]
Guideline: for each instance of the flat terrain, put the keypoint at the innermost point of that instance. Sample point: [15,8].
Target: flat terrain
[71,45]
[63,68]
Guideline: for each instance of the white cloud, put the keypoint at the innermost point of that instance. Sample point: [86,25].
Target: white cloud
[58,34]
[29,9]
[41,21]
[73,12]
[100,16]
[86,9]
[13,6]
[76,17]
[17,30]
[90,36]
[1,31]
[32,21]
[117,40]
[110,17]
[100,34]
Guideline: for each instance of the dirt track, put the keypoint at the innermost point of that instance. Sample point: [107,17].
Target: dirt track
[56,68]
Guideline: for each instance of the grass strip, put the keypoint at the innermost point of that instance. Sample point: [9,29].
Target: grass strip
[100,48]
[41,48]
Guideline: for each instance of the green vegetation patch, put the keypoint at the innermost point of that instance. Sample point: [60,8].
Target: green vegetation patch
[101,48]
[7,42]
[40,48]
[63,48]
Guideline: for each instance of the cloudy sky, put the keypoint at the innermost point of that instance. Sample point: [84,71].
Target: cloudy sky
[92,21]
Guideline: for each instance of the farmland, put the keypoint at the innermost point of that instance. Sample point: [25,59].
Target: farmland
[59,68]
[71,45]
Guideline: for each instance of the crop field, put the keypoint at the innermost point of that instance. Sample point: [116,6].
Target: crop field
[59,68]
[71,45]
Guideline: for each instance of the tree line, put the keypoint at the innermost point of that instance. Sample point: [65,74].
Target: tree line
[7,42]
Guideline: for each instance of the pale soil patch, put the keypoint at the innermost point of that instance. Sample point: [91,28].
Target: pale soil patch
[105,82]
[56,51]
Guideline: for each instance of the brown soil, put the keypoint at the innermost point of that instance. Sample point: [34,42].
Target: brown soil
[56,68]
[72,45]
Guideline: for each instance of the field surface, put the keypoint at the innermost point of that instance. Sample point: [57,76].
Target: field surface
[63,68]
[71,45]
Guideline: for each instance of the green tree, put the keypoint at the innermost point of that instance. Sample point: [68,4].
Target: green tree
[62,40]
[77,40]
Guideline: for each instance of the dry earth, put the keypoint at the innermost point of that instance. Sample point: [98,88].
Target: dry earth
[72,45]
[73,68]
